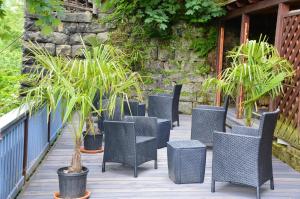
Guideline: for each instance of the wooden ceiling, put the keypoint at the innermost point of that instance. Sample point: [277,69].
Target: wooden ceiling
[236,4]
[236,8]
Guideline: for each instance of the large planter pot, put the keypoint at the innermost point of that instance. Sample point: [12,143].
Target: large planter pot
[72,185]
[92,142]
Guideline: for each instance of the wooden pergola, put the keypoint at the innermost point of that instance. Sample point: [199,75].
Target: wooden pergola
[287,38]
[244,9]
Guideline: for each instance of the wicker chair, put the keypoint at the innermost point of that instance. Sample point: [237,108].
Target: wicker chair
[207,119]
[134,108]
[165,106]
[245,155]
[118,114]
[131,142]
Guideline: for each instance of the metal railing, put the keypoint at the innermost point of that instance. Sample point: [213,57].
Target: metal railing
[24,141]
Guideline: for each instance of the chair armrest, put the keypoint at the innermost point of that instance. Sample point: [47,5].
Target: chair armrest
[243,130]
[160,106]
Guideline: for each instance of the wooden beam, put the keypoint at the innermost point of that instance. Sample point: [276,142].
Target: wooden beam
[283,10]
[255,7]
[220,52]
[245,25]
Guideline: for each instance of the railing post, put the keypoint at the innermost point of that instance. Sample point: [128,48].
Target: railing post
[49,128]
[25,155]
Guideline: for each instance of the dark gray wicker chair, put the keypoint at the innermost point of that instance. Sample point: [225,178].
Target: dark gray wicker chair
[131,142]
[245,155]
[118,114]
[207,119]
[165,106]
[134,108]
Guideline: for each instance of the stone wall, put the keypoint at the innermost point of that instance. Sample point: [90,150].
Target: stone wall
[169,62]
[66,38]
[177,61]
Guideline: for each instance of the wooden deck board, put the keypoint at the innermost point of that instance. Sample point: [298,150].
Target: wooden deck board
[118,181]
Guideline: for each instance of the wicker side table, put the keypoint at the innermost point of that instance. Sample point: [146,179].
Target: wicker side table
[186,161]
[163,132]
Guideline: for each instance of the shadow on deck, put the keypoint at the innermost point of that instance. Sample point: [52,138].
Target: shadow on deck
[118,181]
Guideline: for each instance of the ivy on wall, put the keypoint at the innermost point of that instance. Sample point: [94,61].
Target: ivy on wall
[158,16]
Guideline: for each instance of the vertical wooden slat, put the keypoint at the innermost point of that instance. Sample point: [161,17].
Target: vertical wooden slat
[220,52]
[245,24]
[283,9]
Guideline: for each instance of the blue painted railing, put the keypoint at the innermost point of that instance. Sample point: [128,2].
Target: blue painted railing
[23,142]
[37,138]
[55,123]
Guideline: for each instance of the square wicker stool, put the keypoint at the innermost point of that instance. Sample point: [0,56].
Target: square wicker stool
[163,132]
[186,161]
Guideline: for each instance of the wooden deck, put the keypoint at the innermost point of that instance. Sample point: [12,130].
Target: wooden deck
[118,181]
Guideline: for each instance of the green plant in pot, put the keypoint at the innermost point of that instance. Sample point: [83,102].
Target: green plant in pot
[75,83]
[257,67]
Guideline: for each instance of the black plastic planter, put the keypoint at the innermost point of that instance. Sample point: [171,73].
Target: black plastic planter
[72,185]
[92,142]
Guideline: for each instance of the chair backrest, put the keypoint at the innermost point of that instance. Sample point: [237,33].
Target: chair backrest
[267,124]
[120,139]
[266,131]
[118,114]
[226,103]
[144,126]
[131,108]
[225,106]
[176,97]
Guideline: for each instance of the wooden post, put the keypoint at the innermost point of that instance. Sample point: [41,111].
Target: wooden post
[243,39]
[220,52]
[49,127]
[25,155]
[283,9]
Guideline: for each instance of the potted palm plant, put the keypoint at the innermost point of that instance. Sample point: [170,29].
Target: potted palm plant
[75,83]
[257,67]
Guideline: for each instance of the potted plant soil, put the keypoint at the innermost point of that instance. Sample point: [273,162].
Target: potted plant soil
[75,83]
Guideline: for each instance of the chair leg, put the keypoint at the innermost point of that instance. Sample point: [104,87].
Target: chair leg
[258,192]
[135,171]
[155,164]
[103,167]
[272,183]
[177,122]
[213,186]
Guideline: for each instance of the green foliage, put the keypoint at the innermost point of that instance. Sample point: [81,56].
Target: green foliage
[256,67]
[208,41]
[11,26]
[44,10]
[202,11]
[157,16]
[131,40]
[76,82]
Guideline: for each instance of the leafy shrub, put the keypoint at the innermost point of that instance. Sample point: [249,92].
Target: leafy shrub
[10,57]
[157,16]
[206,42]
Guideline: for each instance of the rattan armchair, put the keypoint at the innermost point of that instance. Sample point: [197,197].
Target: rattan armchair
[131,141]
[134,108]
[244,156]
[165,106]
[207,119]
